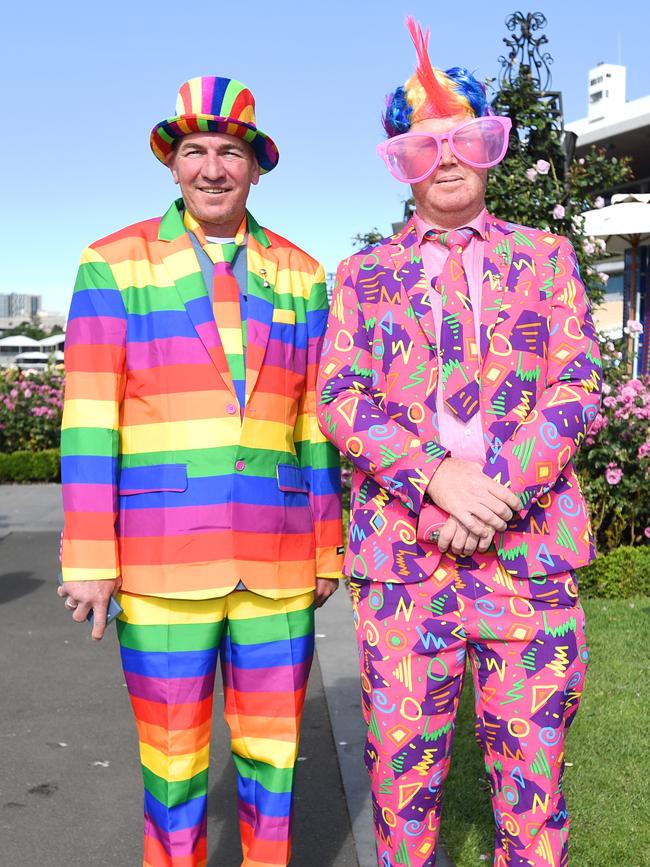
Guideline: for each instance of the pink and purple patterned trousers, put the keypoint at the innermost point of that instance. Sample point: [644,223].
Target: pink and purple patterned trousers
[526,646]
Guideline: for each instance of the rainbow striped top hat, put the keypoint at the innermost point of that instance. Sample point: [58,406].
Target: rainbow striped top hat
[211,104]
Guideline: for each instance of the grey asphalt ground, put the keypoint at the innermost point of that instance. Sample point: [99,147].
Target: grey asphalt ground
[70,788]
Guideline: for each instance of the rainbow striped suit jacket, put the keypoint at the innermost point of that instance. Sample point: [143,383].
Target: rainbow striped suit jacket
[540,387]
[165,483]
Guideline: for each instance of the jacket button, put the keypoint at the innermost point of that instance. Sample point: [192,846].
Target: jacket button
[231,409]
[240,466]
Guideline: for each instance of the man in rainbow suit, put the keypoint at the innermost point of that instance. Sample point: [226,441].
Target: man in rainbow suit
[197,485]
[459,373]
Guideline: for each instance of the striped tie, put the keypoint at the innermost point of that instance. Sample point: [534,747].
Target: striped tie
[227,314]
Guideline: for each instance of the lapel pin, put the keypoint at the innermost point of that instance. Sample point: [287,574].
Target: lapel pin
[266,283]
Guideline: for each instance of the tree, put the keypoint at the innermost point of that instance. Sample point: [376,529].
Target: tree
[26,329]
[540,184]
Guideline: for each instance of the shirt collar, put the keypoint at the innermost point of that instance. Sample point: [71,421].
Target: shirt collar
[193,226]
[422,227]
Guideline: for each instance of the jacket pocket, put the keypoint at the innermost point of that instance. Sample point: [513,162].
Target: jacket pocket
[148,480]
[290,479]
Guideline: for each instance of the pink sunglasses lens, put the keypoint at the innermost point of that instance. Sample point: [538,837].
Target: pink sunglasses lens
[412,156]
[480,143]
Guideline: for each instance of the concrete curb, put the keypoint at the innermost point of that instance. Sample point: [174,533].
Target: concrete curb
[336,646]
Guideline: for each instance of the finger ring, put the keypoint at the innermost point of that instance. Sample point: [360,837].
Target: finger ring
[434,535]
[70,603]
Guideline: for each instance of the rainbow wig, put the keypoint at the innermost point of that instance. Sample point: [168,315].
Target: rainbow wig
[431,92]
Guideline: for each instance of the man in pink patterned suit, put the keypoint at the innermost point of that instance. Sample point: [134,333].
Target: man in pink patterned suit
[459,374]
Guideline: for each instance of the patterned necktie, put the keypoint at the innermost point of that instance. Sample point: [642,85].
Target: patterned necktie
[458,347]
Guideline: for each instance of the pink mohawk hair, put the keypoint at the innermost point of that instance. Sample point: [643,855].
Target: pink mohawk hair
[440,101]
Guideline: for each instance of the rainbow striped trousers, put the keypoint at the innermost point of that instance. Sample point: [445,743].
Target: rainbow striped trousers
[169,651]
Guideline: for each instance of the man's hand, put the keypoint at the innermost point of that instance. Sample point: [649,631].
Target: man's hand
[324,589]
[81,596]
[475,500]
[457,537]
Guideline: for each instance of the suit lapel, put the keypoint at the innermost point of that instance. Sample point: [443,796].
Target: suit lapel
[183,267]
[509,273]
[497,264]
[409,273]
[262,275]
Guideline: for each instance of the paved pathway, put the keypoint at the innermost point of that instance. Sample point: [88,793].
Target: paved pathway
[68,790]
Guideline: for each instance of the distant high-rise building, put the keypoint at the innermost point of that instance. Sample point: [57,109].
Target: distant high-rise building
[606,90]
[16,304]
[330,278]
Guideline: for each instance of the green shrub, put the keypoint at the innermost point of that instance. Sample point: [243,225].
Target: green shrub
[31,404]
[26,466]
[614,466]
[621,574]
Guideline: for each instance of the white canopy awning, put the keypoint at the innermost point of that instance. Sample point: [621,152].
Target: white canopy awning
[18,340]
[623,224]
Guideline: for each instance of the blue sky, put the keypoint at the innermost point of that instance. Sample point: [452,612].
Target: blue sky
[84,84]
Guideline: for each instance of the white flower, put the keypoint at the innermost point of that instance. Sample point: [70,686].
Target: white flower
[558,212]
[531,174]
[633,327]
[604,277]
[599,202]
[588,247]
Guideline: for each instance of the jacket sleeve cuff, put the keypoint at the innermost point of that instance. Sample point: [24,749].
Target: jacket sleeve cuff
[431,518]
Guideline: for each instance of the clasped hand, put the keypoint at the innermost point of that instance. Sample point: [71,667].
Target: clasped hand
[478,506]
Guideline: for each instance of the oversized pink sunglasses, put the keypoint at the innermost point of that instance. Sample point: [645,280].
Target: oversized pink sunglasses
[481,142]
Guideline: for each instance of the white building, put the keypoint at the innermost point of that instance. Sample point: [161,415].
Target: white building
[621,128]
[19,305]
[24,351]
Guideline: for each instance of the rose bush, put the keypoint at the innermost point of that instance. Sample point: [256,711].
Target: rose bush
[614,465]
[31,404]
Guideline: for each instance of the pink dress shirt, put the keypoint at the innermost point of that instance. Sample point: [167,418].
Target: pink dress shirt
[462,440]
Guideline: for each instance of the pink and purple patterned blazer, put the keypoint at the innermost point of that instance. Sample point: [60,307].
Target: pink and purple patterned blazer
[540,388]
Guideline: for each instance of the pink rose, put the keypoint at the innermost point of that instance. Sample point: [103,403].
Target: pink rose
[604,276]
[599,202]
[542,167]
[588,247]
[613,474]
[634,327]
[599,423]
[646,532]
[531,174]
[628,392]
[609,402]
[558,212]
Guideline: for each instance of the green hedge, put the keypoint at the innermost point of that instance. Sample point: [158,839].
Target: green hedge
[622,573]
[30,466]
